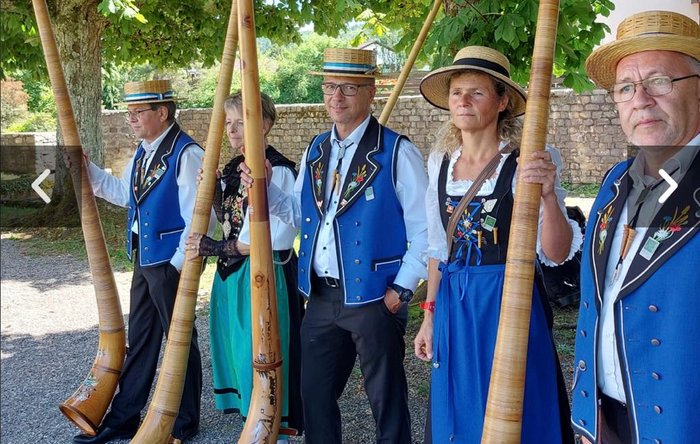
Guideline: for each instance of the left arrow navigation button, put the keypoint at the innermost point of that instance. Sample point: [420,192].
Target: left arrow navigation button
[37,189]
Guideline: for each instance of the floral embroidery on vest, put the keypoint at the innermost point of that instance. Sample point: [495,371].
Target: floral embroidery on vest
[603,226]
[672,225]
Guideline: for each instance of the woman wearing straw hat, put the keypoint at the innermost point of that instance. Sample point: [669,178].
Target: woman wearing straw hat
[230,322]
[466,272]
[637,356]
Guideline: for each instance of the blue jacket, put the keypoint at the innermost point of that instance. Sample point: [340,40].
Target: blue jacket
[154,203]
[657,317]
[369,225]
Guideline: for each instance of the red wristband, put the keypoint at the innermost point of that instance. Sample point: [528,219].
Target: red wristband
[428,306]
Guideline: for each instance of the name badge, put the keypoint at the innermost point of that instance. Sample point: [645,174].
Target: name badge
[369,193]
[488,223]
[649,248]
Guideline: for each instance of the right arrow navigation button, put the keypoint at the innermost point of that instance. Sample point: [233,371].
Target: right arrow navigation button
[672,186]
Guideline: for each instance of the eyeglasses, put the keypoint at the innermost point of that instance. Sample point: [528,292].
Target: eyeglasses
[653,86]
[348,89]
[135,115]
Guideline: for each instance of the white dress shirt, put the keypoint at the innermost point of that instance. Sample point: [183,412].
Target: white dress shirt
[117,190]
[437,238]
[282,234]
[411,182]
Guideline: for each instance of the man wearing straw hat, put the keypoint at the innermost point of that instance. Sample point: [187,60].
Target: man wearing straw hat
[359,201]
[637,358]
[159,187]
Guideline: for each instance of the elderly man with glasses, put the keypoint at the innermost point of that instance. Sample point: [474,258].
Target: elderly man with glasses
[159,187]
[635,370]
[359,202]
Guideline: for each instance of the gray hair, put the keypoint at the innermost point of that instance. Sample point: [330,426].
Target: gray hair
[170,106]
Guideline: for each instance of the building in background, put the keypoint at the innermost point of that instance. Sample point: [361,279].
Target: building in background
[625,8]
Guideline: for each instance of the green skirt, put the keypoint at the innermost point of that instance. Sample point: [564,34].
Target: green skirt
[231,341]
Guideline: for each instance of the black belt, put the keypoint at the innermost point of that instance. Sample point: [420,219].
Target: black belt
[327,281]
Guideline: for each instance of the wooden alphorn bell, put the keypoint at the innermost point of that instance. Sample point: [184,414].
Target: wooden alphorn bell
[87,406]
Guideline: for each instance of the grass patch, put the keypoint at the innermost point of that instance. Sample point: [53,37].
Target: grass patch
[581,189]
[65,238]
[8,214]
[565,336]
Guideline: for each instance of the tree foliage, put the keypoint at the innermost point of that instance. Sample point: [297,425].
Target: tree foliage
[505,25]
[13,102]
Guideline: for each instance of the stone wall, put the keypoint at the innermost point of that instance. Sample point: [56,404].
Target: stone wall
[27,153]
[584,127]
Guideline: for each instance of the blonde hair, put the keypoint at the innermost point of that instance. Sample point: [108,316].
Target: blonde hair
[448,138]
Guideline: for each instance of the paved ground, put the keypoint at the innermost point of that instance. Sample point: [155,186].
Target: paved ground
[49,340]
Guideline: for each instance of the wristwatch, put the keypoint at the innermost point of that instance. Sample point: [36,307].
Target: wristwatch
[405,295]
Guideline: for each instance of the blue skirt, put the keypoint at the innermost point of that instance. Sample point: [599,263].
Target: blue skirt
[466,322]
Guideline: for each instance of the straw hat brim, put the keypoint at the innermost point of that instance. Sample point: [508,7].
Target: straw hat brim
[436,85]
[601,65]
[147,102]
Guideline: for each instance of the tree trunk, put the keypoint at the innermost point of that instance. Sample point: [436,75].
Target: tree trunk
[78,29]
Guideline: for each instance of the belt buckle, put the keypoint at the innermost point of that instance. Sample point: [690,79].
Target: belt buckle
[331,282]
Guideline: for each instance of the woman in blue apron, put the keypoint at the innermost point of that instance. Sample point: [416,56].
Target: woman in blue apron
[230,322]
[465,284]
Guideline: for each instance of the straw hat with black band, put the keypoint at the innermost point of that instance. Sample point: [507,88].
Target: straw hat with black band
[348,62]
[645,31]
[435,86]
[148,91]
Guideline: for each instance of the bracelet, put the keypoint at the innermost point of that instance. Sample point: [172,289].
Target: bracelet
[428,306]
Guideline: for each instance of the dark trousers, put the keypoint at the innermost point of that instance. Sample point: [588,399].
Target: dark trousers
[614,423]
[332,335]
[153,291]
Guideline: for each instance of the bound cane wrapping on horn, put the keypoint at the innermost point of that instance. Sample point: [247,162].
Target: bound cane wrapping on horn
[87,406]
[504,406]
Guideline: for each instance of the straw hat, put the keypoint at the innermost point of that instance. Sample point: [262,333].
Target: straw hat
[645,31]
[348,62]
[148,91]
[435,86]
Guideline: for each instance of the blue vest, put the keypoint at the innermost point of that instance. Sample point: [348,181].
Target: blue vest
[369,226]
[153,201]
[657,316]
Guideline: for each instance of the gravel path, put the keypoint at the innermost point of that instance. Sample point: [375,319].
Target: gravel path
[49,340]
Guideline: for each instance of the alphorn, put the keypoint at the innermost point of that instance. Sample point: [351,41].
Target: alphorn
[163,410]
[408,66]
[265,411]
[504,405]
[87,406]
